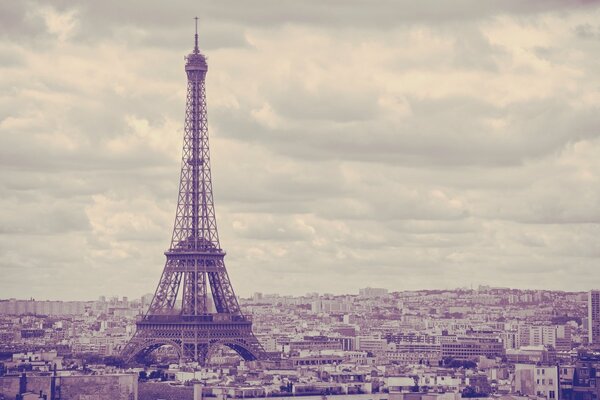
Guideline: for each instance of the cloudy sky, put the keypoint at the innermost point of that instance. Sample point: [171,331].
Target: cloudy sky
[390,144]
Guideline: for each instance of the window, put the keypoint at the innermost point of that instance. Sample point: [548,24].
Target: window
[551,394]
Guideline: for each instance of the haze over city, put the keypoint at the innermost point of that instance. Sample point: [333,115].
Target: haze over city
[403,146]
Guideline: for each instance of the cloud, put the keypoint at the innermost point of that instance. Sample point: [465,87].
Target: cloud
[409,145]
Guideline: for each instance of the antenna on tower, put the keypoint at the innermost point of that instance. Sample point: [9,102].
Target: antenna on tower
[196,51]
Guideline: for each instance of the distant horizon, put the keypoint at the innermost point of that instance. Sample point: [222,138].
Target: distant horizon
[475,289]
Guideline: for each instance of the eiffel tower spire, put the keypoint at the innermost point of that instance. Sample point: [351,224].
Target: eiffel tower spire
[196,51]
[195,271]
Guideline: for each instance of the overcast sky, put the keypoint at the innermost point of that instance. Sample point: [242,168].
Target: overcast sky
[406,145]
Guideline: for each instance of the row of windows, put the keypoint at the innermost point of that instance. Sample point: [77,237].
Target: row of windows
[550,382]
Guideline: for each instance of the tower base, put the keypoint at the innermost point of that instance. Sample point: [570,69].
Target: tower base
[194,338]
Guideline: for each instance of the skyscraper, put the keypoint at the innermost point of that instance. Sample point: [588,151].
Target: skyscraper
[594,317]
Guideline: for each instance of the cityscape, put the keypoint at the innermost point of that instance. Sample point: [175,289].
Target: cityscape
[365,337]
[373,344]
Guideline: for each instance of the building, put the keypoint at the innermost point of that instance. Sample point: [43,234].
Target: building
[315,343]
[372,292]
[542,335]
[523,337]
[509,339]
[557,336]
[563,339]
[536,380]
[400,338]
[594,317]
[401,384]
[74,387]
[407,354]
[580,381]
[47,307]
[472,348]
[530,355]
[566,375]
[371,344]
[330,306]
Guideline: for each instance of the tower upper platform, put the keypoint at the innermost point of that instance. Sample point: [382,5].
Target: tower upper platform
[196,61]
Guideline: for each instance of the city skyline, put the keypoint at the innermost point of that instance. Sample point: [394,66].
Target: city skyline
[430,151]
[492,342]
[110,297]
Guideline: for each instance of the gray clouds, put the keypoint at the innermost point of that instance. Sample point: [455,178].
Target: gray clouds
[404,145]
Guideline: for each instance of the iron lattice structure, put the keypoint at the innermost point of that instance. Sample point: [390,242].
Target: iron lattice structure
[195,270]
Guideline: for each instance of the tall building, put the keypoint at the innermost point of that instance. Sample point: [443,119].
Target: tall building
[594,317]
[523,336]
[194,308]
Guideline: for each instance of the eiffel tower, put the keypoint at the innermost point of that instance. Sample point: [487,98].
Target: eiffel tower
[195,261]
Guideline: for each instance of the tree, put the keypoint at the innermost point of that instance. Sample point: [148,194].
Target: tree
[155,374]
[114,361]
[143,376]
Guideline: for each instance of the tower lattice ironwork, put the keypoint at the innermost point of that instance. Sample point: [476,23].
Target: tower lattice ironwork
[195,271]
